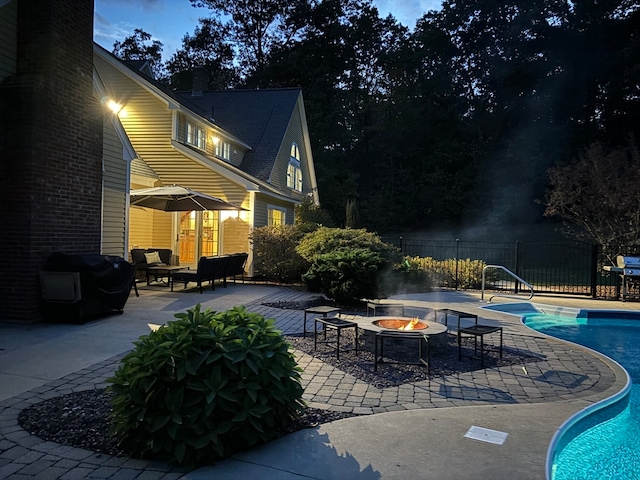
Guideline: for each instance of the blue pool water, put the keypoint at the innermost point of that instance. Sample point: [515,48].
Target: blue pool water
[605,444]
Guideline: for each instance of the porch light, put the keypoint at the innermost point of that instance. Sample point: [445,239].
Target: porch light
[215,140]
[115,107]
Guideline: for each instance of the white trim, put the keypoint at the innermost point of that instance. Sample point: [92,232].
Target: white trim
[171,103]
[212,165]
[313,183]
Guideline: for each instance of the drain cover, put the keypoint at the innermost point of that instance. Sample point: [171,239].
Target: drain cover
[486,435]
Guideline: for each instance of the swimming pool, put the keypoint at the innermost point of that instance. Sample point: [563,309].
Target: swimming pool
[600,442]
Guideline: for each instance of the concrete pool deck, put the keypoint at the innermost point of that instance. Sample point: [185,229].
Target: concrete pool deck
[415,430]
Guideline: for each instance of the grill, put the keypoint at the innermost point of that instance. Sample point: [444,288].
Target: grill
[629,270]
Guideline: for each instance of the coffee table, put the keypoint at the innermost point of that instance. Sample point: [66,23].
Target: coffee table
[161,271]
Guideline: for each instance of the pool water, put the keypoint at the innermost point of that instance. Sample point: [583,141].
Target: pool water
[605,444]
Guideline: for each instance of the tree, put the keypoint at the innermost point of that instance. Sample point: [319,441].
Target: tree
[209,49]
[137,47]
[255,26]
[597,196]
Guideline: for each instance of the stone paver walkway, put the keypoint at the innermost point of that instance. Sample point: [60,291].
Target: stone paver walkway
[560,372]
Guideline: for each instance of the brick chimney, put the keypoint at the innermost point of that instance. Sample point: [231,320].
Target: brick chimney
[51,147]
[200,81]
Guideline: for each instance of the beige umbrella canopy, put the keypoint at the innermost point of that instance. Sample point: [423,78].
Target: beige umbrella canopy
[177,199]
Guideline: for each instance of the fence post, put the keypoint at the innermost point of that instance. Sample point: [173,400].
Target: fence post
[457,260]
[595,251]
[517,266]
[401,245]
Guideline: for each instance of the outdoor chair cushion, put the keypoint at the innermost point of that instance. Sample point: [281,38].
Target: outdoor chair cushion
[152,258]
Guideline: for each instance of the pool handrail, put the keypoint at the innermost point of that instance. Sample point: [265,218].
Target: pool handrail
[501,267]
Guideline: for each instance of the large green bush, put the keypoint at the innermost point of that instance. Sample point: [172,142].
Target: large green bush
[205,386]
[327,240]
[346,262]
[346,275]
[274,252]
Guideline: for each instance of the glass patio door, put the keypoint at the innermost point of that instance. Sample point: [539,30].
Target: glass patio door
[198,234]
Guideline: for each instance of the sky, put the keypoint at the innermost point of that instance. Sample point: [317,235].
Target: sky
[169,20]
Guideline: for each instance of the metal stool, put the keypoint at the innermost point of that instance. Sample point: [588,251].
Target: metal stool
[324,310]
[338,325]
[476,331]
[385,308]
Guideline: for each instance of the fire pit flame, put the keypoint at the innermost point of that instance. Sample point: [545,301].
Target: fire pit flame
[400,324]
[411,325]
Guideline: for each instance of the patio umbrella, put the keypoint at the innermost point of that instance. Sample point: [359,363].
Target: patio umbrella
[177,199]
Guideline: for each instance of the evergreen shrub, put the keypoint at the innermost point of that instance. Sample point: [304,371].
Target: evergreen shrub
[274,252]
[205,386]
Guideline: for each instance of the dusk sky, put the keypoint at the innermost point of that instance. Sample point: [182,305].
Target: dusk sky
[169,20]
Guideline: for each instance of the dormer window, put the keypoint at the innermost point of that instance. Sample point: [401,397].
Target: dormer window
[294,172]
[196,136]
[223,150]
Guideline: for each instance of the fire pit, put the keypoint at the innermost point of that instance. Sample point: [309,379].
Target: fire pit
[401,324]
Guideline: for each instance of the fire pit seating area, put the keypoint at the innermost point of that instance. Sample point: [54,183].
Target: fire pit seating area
[399,333]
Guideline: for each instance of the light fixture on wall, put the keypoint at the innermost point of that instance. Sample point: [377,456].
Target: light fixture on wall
[215,139]
[115,107]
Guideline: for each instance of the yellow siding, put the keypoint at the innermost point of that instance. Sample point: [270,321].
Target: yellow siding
[236,153]
[114,193]
[140,227]
[161,229]
[236,236]
[8,38]
[262,204]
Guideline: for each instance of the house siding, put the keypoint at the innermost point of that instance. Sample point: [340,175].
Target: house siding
[114,193]
[236,152]
[262,205]
[294,134]
[235,232]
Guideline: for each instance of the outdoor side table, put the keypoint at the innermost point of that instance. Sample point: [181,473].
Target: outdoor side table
[385,308]
[323,310]
[338,325]
[476,331]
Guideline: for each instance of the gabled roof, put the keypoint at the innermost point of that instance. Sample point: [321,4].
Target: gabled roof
[258,117]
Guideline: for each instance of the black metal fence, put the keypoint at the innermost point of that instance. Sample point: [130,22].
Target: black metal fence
[572,268]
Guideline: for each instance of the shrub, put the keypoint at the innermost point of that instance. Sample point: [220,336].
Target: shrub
[408,276]
[274,252]
[443,272]
[327,240]
[345,275]
[205,386]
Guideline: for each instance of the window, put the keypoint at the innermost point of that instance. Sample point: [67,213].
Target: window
[276,216]
[195,136]
[223,150]
[294,172]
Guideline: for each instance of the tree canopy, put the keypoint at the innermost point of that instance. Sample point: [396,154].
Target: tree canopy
[456,120]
